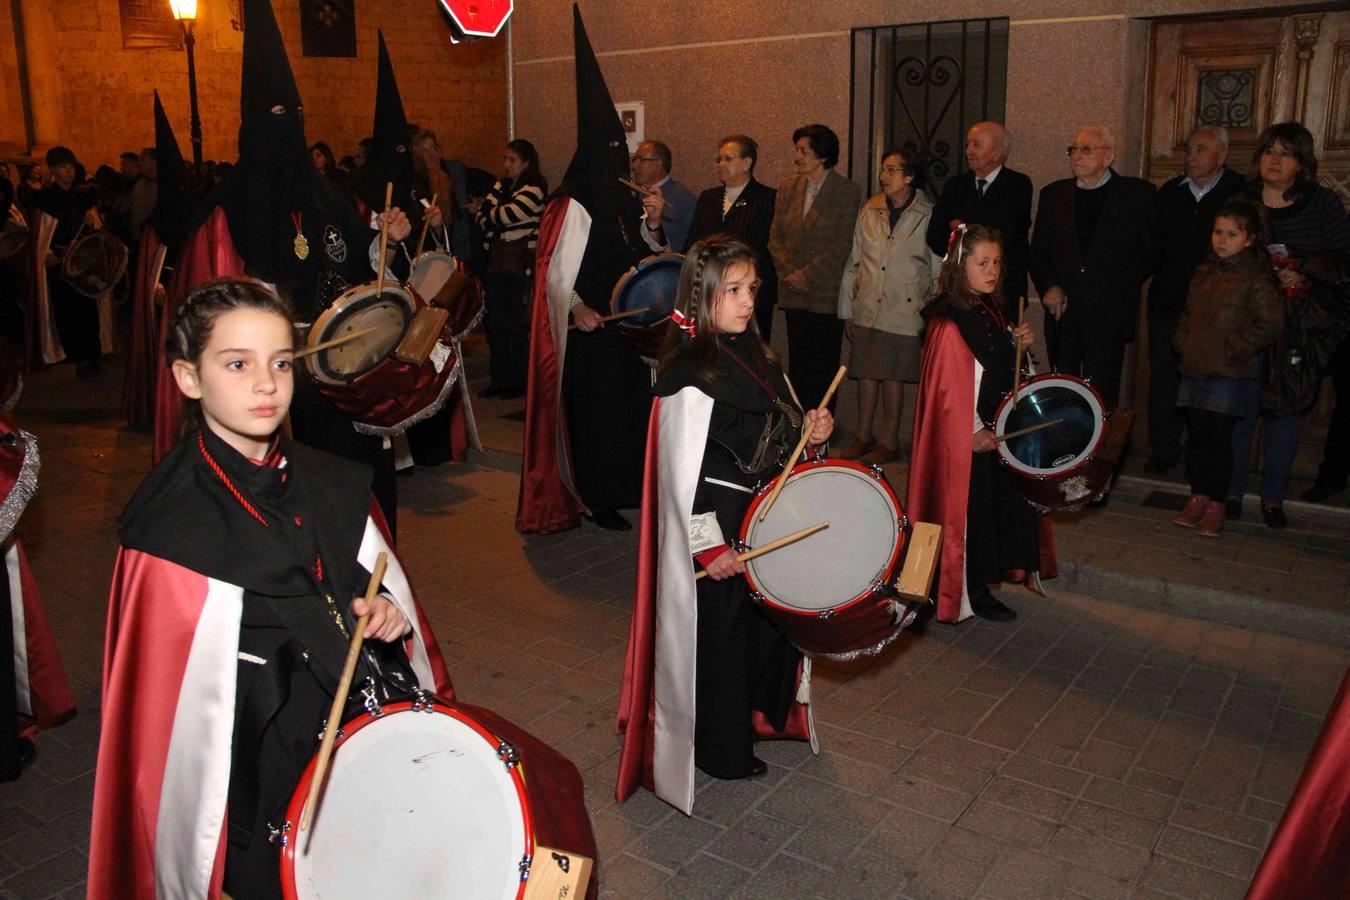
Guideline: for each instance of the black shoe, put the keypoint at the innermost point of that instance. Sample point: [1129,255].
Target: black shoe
[757,768]
[985,605]
[1232,509]
[1321,491]
[1156,465]
[610,520]
[512,393]
[1274,516]
[490,391]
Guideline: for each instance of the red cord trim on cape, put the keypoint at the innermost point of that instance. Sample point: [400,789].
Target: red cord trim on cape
[229,485]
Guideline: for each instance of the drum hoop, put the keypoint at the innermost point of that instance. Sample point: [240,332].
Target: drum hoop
[335,309]
[352,727]
[425,255]
[104,240]
[1080,387]
[646,263]
[803,468]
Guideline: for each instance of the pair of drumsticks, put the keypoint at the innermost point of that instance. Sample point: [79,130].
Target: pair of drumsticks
[1017,380]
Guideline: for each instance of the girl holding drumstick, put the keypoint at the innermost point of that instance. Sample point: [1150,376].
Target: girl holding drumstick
[725,419]
[230,618]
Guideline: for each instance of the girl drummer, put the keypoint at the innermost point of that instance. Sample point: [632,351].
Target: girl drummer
[990,532]
[727,420]
[226,636]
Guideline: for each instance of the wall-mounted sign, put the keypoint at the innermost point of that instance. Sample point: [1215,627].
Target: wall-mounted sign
[633,115]
[478,18]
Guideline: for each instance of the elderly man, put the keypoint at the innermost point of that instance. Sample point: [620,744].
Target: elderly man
[651,169]
[742,208]
[989,194]
[1185,208]
[1090,253]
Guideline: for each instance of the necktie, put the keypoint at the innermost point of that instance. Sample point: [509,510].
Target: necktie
[979,186]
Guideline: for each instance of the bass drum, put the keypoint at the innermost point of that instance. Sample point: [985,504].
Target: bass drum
[1060,466]
[830,593]
[94,263]
[653,285]
[438,280]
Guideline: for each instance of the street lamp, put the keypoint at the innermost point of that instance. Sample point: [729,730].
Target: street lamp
[185,11]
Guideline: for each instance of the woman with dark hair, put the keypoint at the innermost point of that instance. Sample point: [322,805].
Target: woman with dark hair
[322,155]
[1309,245]
[887,278]
[810,239]
[721,675]
[509,216]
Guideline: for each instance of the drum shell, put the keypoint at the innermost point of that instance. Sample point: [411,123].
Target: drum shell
[653,283]
[393,396]
[1074,485]
[94,263]
[854,625]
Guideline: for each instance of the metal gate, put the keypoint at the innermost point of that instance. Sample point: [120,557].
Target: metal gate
[924,86]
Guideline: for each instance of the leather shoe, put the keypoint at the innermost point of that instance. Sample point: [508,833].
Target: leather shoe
[1274,516]
[490,391]
[610,520]
[757,768]
[1321,492]
[985,605]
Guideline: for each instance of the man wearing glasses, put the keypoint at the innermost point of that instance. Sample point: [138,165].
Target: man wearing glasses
[1091,250]
[651,169]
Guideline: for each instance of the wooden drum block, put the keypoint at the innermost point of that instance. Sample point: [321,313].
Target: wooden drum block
[921,561]
[557,875]
[425,330]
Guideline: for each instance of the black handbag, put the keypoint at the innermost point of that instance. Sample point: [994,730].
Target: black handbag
[510,257]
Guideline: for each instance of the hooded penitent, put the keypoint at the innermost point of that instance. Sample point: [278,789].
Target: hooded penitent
[172,198]
[391,158]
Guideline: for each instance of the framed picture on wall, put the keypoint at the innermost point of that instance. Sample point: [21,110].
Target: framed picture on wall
[149,25]
[633,115]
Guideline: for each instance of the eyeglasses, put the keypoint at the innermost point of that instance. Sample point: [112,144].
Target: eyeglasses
[1083,149]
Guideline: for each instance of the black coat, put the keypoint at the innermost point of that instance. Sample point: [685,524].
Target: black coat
[748,220]
[1183,239]
[1103,287]
[1006,205]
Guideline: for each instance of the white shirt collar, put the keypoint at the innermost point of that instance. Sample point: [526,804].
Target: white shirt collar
[661,182]
[1106,176]
[989,179]
[1199,192]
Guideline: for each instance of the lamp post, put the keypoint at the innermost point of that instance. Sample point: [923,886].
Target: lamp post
[185,11]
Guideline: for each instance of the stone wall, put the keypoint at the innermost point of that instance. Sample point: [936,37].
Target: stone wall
[91,94]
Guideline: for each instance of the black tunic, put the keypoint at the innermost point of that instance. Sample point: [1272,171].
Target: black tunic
[744,664]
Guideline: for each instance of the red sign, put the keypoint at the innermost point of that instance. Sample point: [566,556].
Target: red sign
[479,18]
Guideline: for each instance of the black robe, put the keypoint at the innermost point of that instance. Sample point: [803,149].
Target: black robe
[748,220]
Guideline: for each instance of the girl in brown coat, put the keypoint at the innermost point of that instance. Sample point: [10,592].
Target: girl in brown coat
[1233,312]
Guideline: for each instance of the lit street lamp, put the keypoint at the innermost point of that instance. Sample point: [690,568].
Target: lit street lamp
[185,11]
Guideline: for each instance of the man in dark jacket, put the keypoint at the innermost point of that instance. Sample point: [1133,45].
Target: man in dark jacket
[1090,253]
[989,194]
[742,208]
[1185,208]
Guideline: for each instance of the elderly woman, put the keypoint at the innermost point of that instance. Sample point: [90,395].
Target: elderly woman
[809,240]
[1310,249]
[889,275]
[509,217]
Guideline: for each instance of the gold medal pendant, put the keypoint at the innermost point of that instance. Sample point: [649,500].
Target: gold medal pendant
[301,246]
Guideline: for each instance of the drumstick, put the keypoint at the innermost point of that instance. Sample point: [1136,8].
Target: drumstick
[349,336]
[384,238]
[776,545]
[426,223]
[340,698]
[801,445]
[1017,360]
[1028,430]
[623,315]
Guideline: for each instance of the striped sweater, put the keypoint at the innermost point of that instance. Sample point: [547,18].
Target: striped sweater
[512,217]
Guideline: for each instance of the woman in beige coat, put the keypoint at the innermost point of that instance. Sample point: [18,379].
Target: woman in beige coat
[889,275]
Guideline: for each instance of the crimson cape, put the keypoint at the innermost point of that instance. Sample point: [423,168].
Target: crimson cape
[138,384]
[656,703]
[43,692]
[939,470]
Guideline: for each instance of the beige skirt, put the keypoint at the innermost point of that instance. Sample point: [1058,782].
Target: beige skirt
[883,356]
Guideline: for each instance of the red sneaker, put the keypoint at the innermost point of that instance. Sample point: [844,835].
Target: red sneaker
[1195,509]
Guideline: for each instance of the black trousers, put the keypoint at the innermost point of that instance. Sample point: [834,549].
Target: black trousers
[1335,468]
[508,331]
[814,341]
[1209,452]
[1002,528]
[1082,347]
[76,319]
[607,394]
[1165,421]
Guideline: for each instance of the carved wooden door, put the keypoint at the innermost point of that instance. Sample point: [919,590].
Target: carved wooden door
[1245,73]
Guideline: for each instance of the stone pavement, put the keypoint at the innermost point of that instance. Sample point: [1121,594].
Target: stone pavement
[1101,746]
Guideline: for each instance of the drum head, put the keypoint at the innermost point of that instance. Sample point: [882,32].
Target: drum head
[1059,447]
[838,565]
[357,310]
[654,283]
[430,272]
[417,804]
[94,263]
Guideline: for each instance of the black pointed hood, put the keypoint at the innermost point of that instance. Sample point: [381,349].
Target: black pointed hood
[592,179]
[391,156]
[172,192]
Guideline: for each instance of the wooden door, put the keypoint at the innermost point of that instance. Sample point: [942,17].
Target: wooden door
[1246,72]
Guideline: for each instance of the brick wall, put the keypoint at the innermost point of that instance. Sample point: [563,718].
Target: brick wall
[94,96]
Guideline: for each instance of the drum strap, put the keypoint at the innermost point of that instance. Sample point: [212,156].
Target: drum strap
[728,484]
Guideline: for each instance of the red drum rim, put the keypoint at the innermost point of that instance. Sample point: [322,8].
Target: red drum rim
[1078,386]
[296,807]
[822,465]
